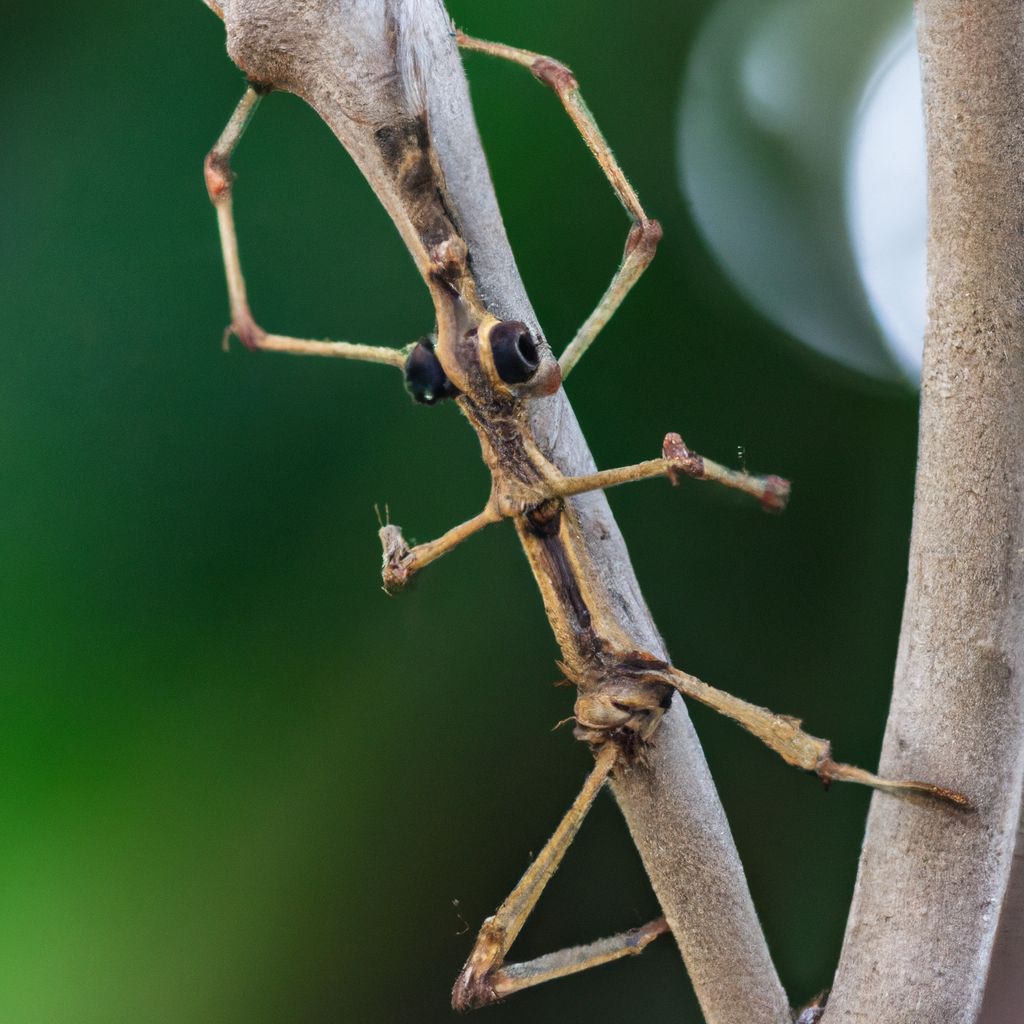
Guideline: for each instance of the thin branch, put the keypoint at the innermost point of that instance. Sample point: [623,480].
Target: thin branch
[931,882]
[1002,999]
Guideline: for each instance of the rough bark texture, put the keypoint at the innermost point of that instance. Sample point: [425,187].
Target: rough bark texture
[335,56]
[1003,1002]
[932,881]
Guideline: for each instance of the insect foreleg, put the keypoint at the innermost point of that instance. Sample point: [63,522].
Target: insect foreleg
[219,185]
[645,234]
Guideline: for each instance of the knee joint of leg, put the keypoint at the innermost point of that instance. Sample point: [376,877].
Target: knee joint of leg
[554,74]
[643,239]
[218,176]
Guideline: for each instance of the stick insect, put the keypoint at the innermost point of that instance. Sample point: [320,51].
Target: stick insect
[492,369]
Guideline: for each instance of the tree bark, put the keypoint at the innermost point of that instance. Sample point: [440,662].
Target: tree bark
[931,881]
[339,57]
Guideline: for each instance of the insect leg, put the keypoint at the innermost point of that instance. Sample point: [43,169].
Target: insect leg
[511,978]
[783,734]
[645,234]
[678,460]
[478,984]
[401,562]
[219,185]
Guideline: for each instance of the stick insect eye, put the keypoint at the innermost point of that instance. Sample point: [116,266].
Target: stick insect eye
[425,378]
[514,351]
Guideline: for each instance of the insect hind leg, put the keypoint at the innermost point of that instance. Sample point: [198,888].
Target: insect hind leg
[486,978]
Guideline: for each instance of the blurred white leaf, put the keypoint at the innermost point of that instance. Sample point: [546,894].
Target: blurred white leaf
[801,149]
[886,200]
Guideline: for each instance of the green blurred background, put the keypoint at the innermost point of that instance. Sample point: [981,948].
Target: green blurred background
[237,782]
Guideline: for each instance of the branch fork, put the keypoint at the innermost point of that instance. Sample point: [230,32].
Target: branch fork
[371,68]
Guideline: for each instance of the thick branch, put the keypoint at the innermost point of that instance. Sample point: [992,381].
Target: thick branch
[932,881]
[340,58]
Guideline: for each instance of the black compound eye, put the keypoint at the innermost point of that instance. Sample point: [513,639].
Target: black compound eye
[425,379]
[514,351]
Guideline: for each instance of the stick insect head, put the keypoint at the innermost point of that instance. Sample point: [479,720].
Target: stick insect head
[513,362]
[486,359]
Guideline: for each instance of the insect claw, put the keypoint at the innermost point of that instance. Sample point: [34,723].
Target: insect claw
[395,567]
